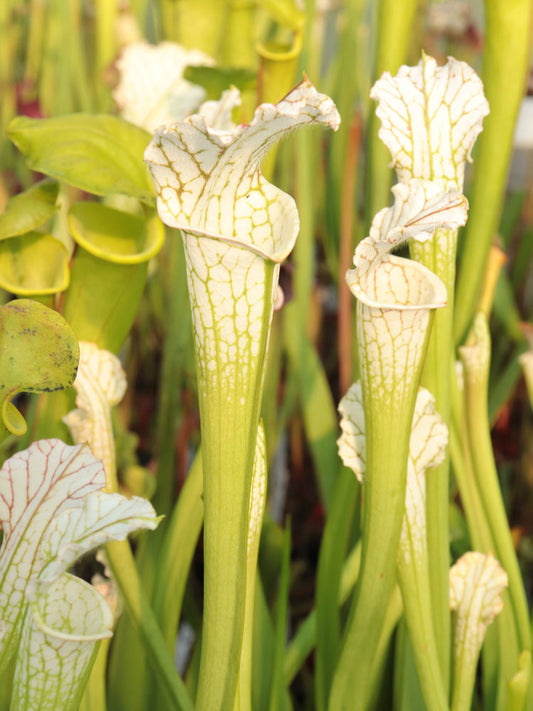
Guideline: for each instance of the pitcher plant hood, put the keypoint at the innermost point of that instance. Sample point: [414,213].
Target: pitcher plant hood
[430,118]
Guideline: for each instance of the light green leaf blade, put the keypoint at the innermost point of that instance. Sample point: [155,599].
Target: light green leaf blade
[100,154]
[38,353]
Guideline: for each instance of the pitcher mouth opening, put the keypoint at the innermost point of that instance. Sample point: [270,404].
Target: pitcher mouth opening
[398,283]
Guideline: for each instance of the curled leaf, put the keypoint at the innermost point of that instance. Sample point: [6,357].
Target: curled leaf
[420,207]
[100,384]
[477,581]
[33,264]
[209,181]
[38,353]
[58,645]
[52,511]
[352,442]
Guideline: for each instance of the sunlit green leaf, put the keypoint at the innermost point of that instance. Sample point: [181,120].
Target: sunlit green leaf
[38,353]
[100,154]
[28,210]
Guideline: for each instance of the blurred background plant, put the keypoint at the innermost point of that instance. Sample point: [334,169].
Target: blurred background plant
[75,243]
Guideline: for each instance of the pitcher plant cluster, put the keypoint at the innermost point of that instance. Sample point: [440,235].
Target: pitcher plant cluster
[176,198]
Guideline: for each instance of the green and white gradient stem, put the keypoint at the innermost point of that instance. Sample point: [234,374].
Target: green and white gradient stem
[476,583]
[475,357]
[430,118]
[427,447]
[396,300]
[237,228]
[243,698]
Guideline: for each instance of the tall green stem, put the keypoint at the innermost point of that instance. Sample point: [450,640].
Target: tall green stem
[475,358]
[125,573]
[439,256]
[505,64]
[430,129]
[229,410]
[392,346]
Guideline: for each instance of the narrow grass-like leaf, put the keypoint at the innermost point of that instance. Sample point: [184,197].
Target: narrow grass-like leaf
[506,55]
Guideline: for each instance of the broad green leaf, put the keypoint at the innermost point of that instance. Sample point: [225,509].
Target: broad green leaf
[97,153]
[152,90]
[28,210]
[215,80]
[38,353]
[33,264]
[114,235]
[53,511]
